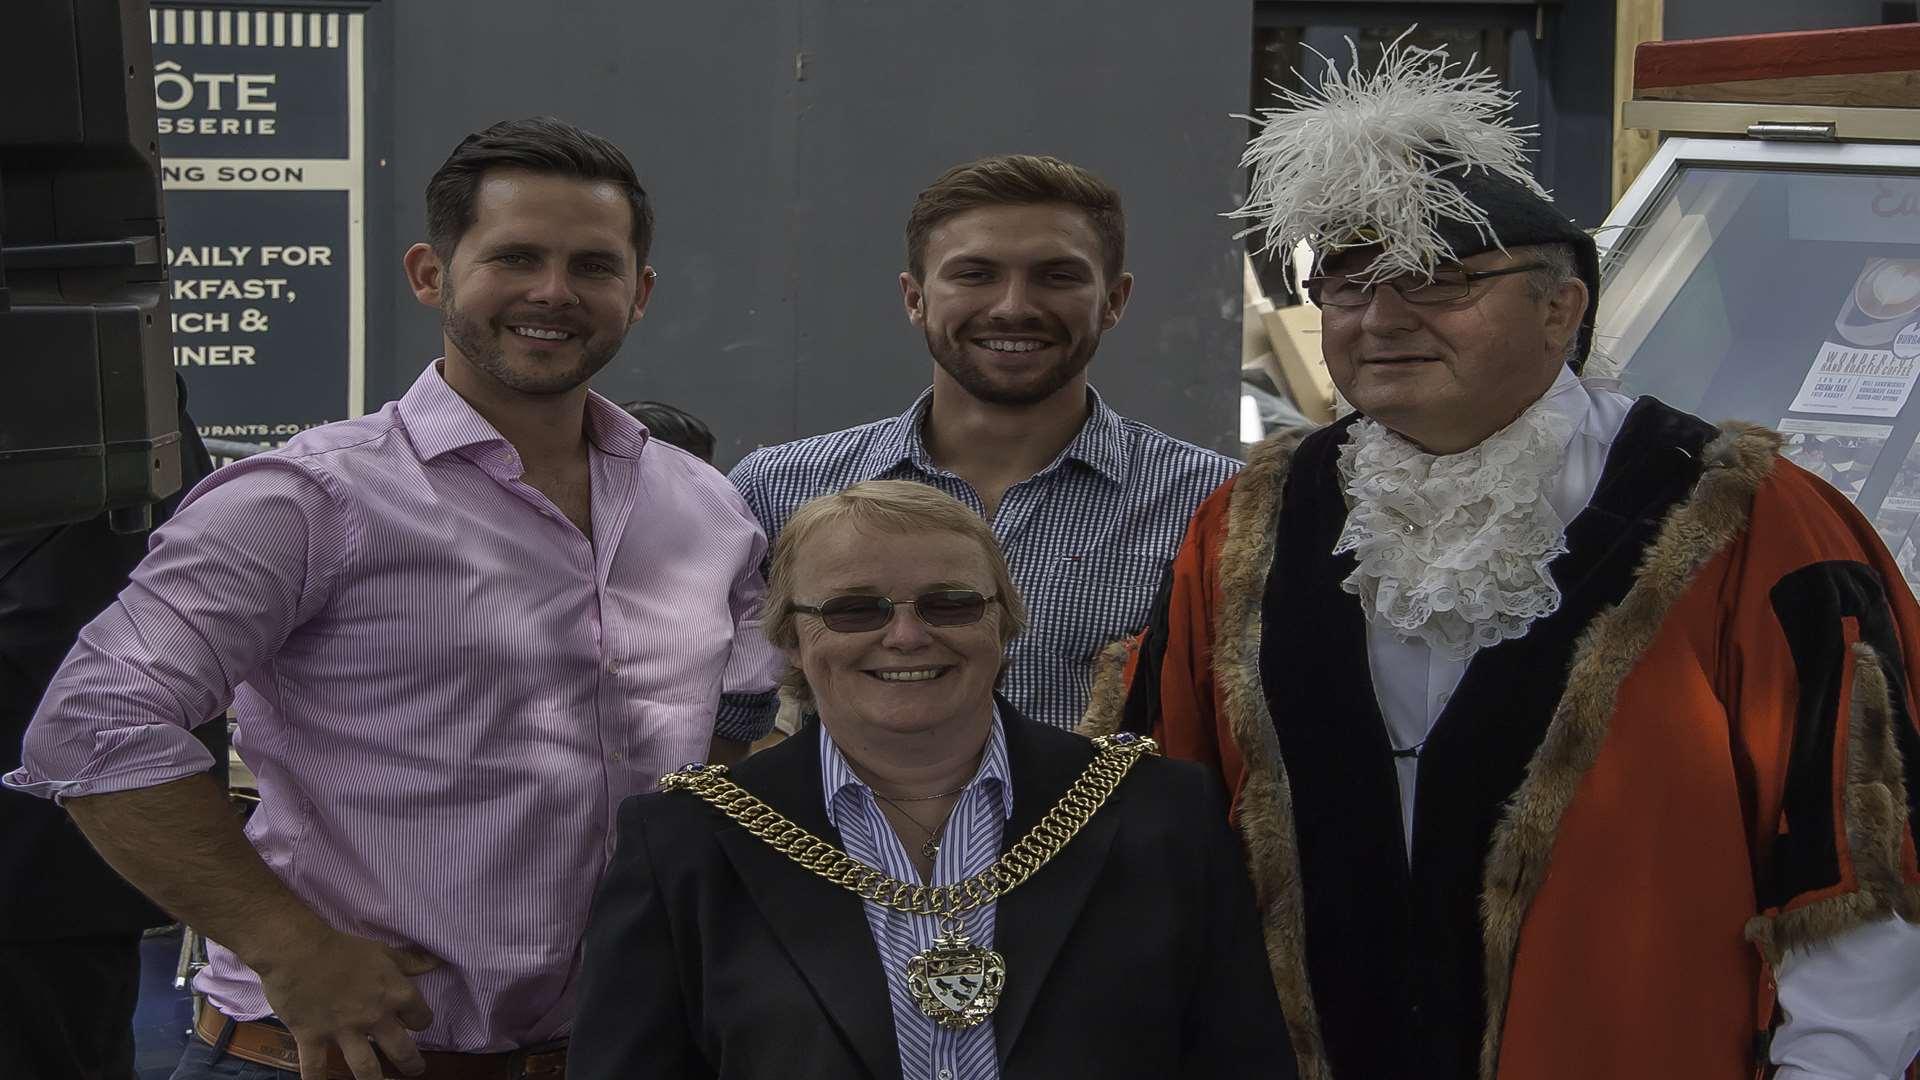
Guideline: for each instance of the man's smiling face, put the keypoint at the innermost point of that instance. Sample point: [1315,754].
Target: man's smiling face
[1448,375]
[541,288]
[1014,300]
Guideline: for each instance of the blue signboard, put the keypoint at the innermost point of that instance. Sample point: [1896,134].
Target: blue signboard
[262,120]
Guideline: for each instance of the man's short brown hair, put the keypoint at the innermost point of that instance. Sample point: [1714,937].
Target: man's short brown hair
[540,144]
[1018,180]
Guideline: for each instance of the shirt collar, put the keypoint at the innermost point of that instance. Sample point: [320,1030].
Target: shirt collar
[613,430]
[1100,444]
[1568,397]
[837,775]
[439,421]
[899,440]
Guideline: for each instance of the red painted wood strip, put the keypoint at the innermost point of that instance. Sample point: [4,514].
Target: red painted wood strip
[1777,56]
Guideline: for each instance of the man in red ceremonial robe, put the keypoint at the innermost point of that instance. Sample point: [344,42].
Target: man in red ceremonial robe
[1569,735]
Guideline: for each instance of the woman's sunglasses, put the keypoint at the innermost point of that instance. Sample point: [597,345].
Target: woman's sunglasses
[855,614]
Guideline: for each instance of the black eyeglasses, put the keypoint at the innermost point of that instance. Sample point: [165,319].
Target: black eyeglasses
[854,614]
[1440,287]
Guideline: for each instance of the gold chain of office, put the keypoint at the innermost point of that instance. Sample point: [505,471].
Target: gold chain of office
[1116,756]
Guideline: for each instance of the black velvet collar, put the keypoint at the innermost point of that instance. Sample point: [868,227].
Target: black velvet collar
[1394,952]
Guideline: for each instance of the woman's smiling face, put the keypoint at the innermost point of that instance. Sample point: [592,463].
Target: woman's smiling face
[906,676]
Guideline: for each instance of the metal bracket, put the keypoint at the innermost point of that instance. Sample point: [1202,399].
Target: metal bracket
[1788,131]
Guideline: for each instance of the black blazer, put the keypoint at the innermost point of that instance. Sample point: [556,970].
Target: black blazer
[1134,953]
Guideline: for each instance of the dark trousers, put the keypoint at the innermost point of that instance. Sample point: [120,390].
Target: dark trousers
[66,1007]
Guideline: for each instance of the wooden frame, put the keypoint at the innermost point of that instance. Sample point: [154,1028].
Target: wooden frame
[1634,22]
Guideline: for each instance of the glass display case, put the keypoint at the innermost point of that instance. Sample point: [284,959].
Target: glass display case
[1779,282]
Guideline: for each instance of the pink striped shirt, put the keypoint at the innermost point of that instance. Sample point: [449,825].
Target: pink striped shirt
[444,688]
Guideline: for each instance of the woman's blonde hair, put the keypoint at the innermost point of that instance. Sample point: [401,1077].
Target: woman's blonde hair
[891,508]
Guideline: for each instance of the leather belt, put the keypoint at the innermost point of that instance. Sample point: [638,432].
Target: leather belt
[270,1044]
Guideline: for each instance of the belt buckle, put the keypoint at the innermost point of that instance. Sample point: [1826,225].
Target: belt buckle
[548,1061]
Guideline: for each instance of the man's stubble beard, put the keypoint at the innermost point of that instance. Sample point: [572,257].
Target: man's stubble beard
[481,344]
[952,357]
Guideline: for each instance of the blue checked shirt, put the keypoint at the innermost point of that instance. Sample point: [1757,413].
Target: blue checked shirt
[1087,538]
[969,844]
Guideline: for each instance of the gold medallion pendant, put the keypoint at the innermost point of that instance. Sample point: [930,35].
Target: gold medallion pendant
[956,983]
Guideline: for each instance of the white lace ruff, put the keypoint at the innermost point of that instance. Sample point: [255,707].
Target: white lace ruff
[1454,549]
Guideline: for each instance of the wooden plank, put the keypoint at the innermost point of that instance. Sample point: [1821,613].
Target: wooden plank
[1294,333]
[1634,22]
[1734,117]
[1850,51]
[1872,90]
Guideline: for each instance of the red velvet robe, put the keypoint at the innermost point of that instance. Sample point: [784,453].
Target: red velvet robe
[1728,766]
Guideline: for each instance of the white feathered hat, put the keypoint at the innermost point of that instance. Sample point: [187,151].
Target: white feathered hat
[1417,158]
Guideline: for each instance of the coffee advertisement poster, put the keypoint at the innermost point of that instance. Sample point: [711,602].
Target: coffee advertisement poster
[1869,370]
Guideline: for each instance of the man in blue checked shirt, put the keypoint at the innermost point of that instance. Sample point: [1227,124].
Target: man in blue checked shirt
[1014,271]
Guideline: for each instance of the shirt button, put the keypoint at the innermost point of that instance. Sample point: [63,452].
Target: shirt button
[946,1074]
[616,755]
[613,667]
[1444,696]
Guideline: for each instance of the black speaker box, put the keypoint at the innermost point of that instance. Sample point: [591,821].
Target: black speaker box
[88,422]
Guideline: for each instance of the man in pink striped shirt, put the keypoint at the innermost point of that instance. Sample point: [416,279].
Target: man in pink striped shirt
[456,633]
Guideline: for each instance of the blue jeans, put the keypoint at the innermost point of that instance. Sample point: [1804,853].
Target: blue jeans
[198,1064]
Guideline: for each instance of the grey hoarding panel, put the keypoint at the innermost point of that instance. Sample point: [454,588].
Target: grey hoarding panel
[1139,94]
[700,97]
[783,144]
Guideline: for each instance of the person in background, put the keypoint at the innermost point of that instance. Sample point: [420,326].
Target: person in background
[1570,735]
[70,928]
[1015,270]
[455,633]
[673,425]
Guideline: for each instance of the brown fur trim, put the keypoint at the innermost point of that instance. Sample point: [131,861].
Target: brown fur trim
[1712,517]
[1266,800]
[1109,696]
[1875,803]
